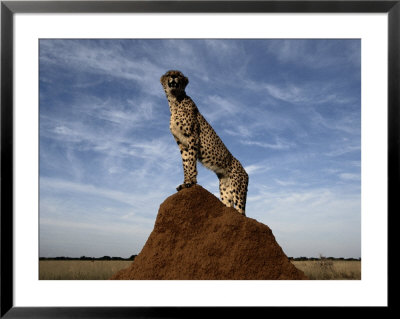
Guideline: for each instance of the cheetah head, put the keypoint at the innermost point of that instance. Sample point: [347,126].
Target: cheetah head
[174,82]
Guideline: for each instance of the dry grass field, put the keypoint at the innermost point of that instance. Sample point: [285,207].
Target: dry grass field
[103,269]
[80,269]
[330,269]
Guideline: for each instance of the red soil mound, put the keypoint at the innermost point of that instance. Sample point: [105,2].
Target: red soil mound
[195,236]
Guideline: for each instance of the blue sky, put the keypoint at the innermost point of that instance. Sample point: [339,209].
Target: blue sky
[289,110]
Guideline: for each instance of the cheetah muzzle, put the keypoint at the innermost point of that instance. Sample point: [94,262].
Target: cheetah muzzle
[173,83]
[197,141]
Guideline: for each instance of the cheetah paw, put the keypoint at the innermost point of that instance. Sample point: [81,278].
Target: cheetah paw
[185,185]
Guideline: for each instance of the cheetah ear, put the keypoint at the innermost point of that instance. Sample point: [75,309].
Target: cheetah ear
[185,81]
[162,79]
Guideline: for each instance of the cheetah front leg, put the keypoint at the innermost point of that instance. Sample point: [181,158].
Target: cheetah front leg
[189,154]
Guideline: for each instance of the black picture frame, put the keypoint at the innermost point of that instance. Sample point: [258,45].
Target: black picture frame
[9,8]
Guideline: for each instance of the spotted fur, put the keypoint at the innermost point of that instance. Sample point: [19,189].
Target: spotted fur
[197,140]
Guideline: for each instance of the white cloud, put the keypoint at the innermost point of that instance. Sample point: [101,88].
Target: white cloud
[311,207]
[240,130]
[285,183]
[67,186]
[279,144]
[288,93]
[346,122]
[113,142]
[109,227]
[82,206]
[343,149]
[108,61]
[256,168]
[216,107]
[95,238]
[349,176]
[312,93]
[315,54]
[306,222]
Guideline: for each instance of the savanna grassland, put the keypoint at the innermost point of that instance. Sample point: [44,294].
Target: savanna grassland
[104,269]
[80,269]
[330,269]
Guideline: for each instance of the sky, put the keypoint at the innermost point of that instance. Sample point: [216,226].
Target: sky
[288,109]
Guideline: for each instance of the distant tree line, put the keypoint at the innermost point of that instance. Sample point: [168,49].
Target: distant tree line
[87,258]
[133,257]
[328,258]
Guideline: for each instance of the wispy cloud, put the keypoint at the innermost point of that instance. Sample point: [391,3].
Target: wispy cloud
[216,108]
[289,110]
[307,203]
[344,149]
[240,130]
[110,143]
[256,168]
[289,93]
[95,58]
[299,92]
[316,53]
[285,183]
[80,188]
[132,114]
[347,122]
[278,145]
[95,207]
[350,176]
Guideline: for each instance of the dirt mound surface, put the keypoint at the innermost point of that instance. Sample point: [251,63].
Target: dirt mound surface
[195,236]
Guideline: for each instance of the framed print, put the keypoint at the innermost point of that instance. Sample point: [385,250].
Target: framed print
[304,96]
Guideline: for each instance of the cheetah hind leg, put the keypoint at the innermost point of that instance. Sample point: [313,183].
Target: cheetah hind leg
[242,195]
[184,185]
[241,206]
[225,191]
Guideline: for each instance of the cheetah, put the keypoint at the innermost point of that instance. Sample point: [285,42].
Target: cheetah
[198,141]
